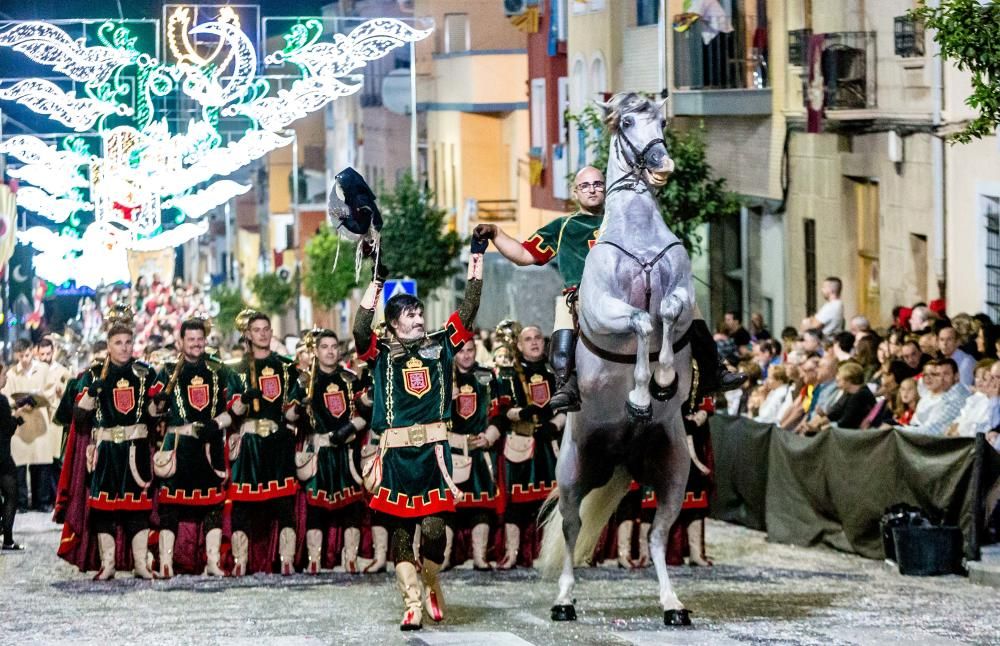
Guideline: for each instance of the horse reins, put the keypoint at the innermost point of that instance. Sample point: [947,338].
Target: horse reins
[638,164]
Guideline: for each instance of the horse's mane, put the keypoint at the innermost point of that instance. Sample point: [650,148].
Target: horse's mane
[624,103]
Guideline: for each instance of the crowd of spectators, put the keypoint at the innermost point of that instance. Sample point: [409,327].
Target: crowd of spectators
[925,372]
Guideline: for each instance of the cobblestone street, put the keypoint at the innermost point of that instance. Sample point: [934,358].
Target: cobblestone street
[757,593]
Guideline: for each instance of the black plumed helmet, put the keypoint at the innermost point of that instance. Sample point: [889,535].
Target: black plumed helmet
[352,206]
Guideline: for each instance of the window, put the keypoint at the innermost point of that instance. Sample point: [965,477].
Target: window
[578,92]
[538,114]
[991,212]
[456,32]
[725,52]
[908,35]
[647,12]
[598,76]
[810,253]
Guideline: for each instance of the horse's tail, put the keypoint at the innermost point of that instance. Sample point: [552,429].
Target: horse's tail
[596,509]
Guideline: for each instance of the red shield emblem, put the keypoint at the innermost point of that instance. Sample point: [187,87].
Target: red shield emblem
[466,405]
[416,378]
[124,398]
[335,403]
[198,396]
[539,393]
[270,387]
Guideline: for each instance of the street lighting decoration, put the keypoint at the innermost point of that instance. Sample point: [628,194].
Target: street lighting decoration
[138,164]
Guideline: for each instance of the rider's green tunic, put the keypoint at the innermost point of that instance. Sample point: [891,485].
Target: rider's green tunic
[568,239]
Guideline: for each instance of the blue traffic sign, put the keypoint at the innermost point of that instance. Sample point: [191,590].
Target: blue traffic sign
[393,287]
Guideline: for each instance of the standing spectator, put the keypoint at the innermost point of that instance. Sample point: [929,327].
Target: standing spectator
[8,470]
[830,317]
[853,407]
[907,398]
[734,328]
[948,341]
[32,454]
[943,402]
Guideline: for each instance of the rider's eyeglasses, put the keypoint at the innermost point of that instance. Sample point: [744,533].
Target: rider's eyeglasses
[588,186]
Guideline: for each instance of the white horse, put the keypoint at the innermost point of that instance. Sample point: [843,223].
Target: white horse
[636,288]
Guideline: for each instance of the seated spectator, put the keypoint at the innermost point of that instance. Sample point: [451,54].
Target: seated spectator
[976,413]
[766,353]
[907,398]
[825,394]
[947,343]
[857,401]
[812,341]
[830,317]
[860,327]
[843,346]
[758,331]
[986,341]
[789,340]
[803,400]
[967,329]
[943,402]
[920,319]
[733,327]
[778,395]
[911,362]
[928,344]
[866,354]
[740,405]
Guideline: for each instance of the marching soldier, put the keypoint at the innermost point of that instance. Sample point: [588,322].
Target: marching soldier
[262,449]
[473,407]
[532,442]
[410,475]
[191,393]
[112,408]
[331,479]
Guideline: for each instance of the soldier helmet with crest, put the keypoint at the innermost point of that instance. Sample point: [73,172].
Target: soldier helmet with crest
[120,319]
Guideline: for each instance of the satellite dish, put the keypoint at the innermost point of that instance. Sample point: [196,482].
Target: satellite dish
[396,91]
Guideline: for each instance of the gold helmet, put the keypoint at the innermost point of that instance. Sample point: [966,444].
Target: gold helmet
[119,319]
[244,317]
[505,349]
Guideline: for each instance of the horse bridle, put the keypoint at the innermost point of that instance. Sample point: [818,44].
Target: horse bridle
[635,167]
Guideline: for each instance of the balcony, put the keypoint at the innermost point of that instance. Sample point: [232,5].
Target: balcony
[496,210]
[848,65]
[726,76]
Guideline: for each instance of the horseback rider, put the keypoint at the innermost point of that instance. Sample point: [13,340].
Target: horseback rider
[568,239]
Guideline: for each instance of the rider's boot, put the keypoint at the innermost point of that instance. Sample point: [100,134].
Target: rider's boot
[567,397]
[713,376]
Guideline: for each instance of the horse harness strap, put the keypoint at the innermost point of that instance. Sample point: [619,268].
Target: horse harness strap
[646,265]
[617,357]
[636,166]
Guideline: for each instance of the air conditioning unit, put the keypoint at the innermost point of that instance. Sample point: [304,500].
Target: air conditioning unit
[514,7]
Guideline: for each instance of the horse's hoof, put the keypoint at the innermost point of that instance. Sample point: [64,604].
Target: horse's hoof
[663,393]
[564,613]
[681,617]
[638,414]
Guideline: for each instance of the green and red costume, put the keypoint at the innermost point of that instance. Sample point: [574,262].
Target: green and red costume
[411,385]
[334,401]
[567,239]
[473,409]
[263,461]
[533,479]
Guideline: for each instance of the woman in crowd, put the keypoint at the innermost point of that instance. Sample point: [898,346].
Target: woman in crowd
[866,354]
[906,402]
[853,407]
[777,391]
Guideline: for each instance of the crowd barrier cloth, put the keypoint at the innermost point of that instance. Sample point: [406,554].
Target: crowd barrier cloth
[833,488]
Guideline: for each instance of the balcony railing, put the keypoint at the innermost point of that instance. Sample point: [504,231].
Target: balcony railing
[848,64]
[496,210]
[729,61]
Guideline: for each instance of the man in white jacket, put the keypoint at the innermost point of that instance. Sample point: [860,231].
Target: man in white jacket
[32,455]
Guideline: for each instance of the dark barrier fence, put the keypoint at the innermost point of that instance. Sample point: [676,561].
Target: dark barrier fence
[832,489]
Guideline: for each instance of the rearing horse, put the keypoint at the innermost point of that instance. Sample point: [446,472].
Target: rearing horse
[636,292]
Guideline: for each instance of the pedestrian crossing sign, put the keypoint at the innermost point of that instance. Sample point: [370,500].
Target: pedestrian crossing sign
[403,286]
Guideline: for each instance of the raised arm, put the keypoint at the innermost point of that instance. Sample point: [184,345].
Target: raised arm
[366,313]
[508,247]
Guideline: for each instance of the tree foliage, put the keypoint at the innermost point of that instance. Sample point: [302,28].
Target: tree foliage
[272,293]
[414,241]
[230,302]
[324,283]
[966,31]
[691,197]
